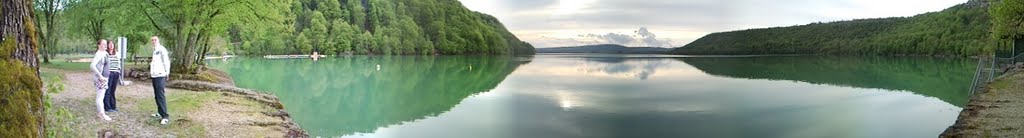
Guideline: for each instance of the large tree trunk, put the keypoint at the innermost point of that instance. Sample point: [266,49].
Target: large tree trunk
[16,14]
[181,59]
[23,112]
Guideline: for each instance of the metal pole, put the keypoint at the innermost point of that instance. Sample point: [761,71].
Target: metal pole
[992,70]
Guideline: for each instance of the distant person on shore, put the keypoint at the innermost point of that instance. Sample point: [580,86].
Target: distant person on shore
[315,56]
[101,70]
[109,100]
[159,68]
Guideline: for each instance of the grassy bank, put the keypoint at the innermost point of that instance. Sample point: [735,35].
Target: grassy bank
[71,110]
[996,112]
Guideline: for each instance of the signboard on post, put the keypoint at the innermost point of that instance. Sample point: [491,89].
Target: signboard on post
[122,47]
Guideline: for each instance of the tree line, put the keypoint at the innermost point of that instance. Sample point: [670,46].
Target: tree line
[959,30]
[378,27]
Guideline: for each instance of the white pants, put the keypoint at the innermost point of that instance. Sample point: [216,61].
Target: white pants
[99,102]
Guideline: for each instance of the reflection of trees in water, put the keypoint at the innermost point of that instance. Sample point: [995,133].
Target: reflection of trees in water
[640,68]
[945,78]
[347,95]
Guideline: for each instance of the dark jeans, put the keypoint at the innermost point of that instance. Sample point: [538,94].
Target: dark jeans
[158,92]
[109,101]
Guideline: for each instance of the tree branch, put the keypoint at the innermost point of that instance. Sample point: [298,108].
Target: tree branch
[155,25]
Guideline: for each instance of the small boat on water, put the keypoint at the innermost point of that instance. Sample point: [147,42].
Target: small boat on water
[221,57]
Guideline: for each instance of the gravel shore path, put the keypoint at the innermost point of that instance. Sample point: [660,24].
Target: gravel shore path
[193,113]
[997,112]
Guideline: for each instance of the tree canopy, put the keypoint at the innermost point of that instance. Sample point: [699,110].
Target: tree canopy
[262,27]
[1008,19]
[959,30]
[384,27]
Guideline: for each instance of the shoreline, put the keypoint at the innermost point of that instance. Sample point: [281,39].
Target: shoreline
[198,109]
[266,99]
[995,112]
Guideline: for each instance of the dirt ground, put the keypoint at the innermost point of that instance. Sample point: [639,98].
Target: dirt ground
[193,113]
[998,112]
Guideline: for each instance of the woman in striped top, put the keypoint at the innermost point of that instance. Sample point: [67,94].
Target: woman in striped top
[109,100]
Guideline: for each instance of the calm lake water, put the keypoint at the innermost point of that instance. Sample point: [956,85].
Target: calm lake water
[597,96]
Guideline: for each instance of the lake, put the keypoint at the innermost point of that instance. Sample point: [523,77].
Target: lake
[600,95]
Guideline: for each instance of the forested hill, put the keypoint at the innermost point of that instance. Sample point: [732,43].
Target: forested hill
[960,30]
[376,27]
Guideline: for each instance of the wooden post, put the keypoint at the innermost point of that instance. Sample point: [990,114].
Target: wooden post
[1018,48]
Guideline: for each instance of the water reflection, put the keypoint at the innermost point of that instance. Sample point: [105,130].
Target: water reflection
[595,96]
[684,101]
[358,94]
[945,78]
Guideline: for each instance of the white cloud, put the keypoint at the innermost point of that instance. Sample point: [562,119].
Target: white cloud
[550,23]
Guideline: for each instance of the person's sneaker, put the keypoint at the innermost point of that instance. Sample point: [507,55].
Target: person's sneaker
[154,115]
[164,121]
[106,118]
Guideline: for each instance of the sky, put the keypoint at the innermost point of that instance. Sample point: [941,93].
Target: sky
[674,23]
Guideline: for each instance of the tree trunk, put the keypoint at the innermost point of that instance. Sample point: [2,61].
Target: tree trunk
[44,47]
[16,14]
[201,60]
[181,59]
[16,25]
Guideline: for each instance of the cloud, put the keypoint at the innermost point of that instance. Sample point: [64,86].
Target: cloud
[548,23]
[641,37]
[613,38]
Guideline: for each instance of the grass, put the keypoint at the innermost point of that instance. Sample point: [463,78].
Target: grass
[59,120]
[68,66]
[84,66]
[179,104]
[48,75]
[1000,84]
[66,57]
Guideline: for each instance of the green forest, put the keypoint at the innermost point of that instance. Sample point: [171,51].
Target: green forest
[198,28]
[962,30]
[259,27]
[378,27]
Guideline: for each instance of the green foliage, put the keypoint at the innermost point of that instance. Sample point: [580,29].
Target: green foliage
[1008,18]
[22,96]
[302,42]
[59,120]
[317,33]
[394,27]
[341,38]
[59,123]
[959,30]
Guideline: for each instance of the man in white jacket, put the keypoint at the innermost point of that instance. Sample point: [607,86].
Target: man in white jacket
[159,68]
